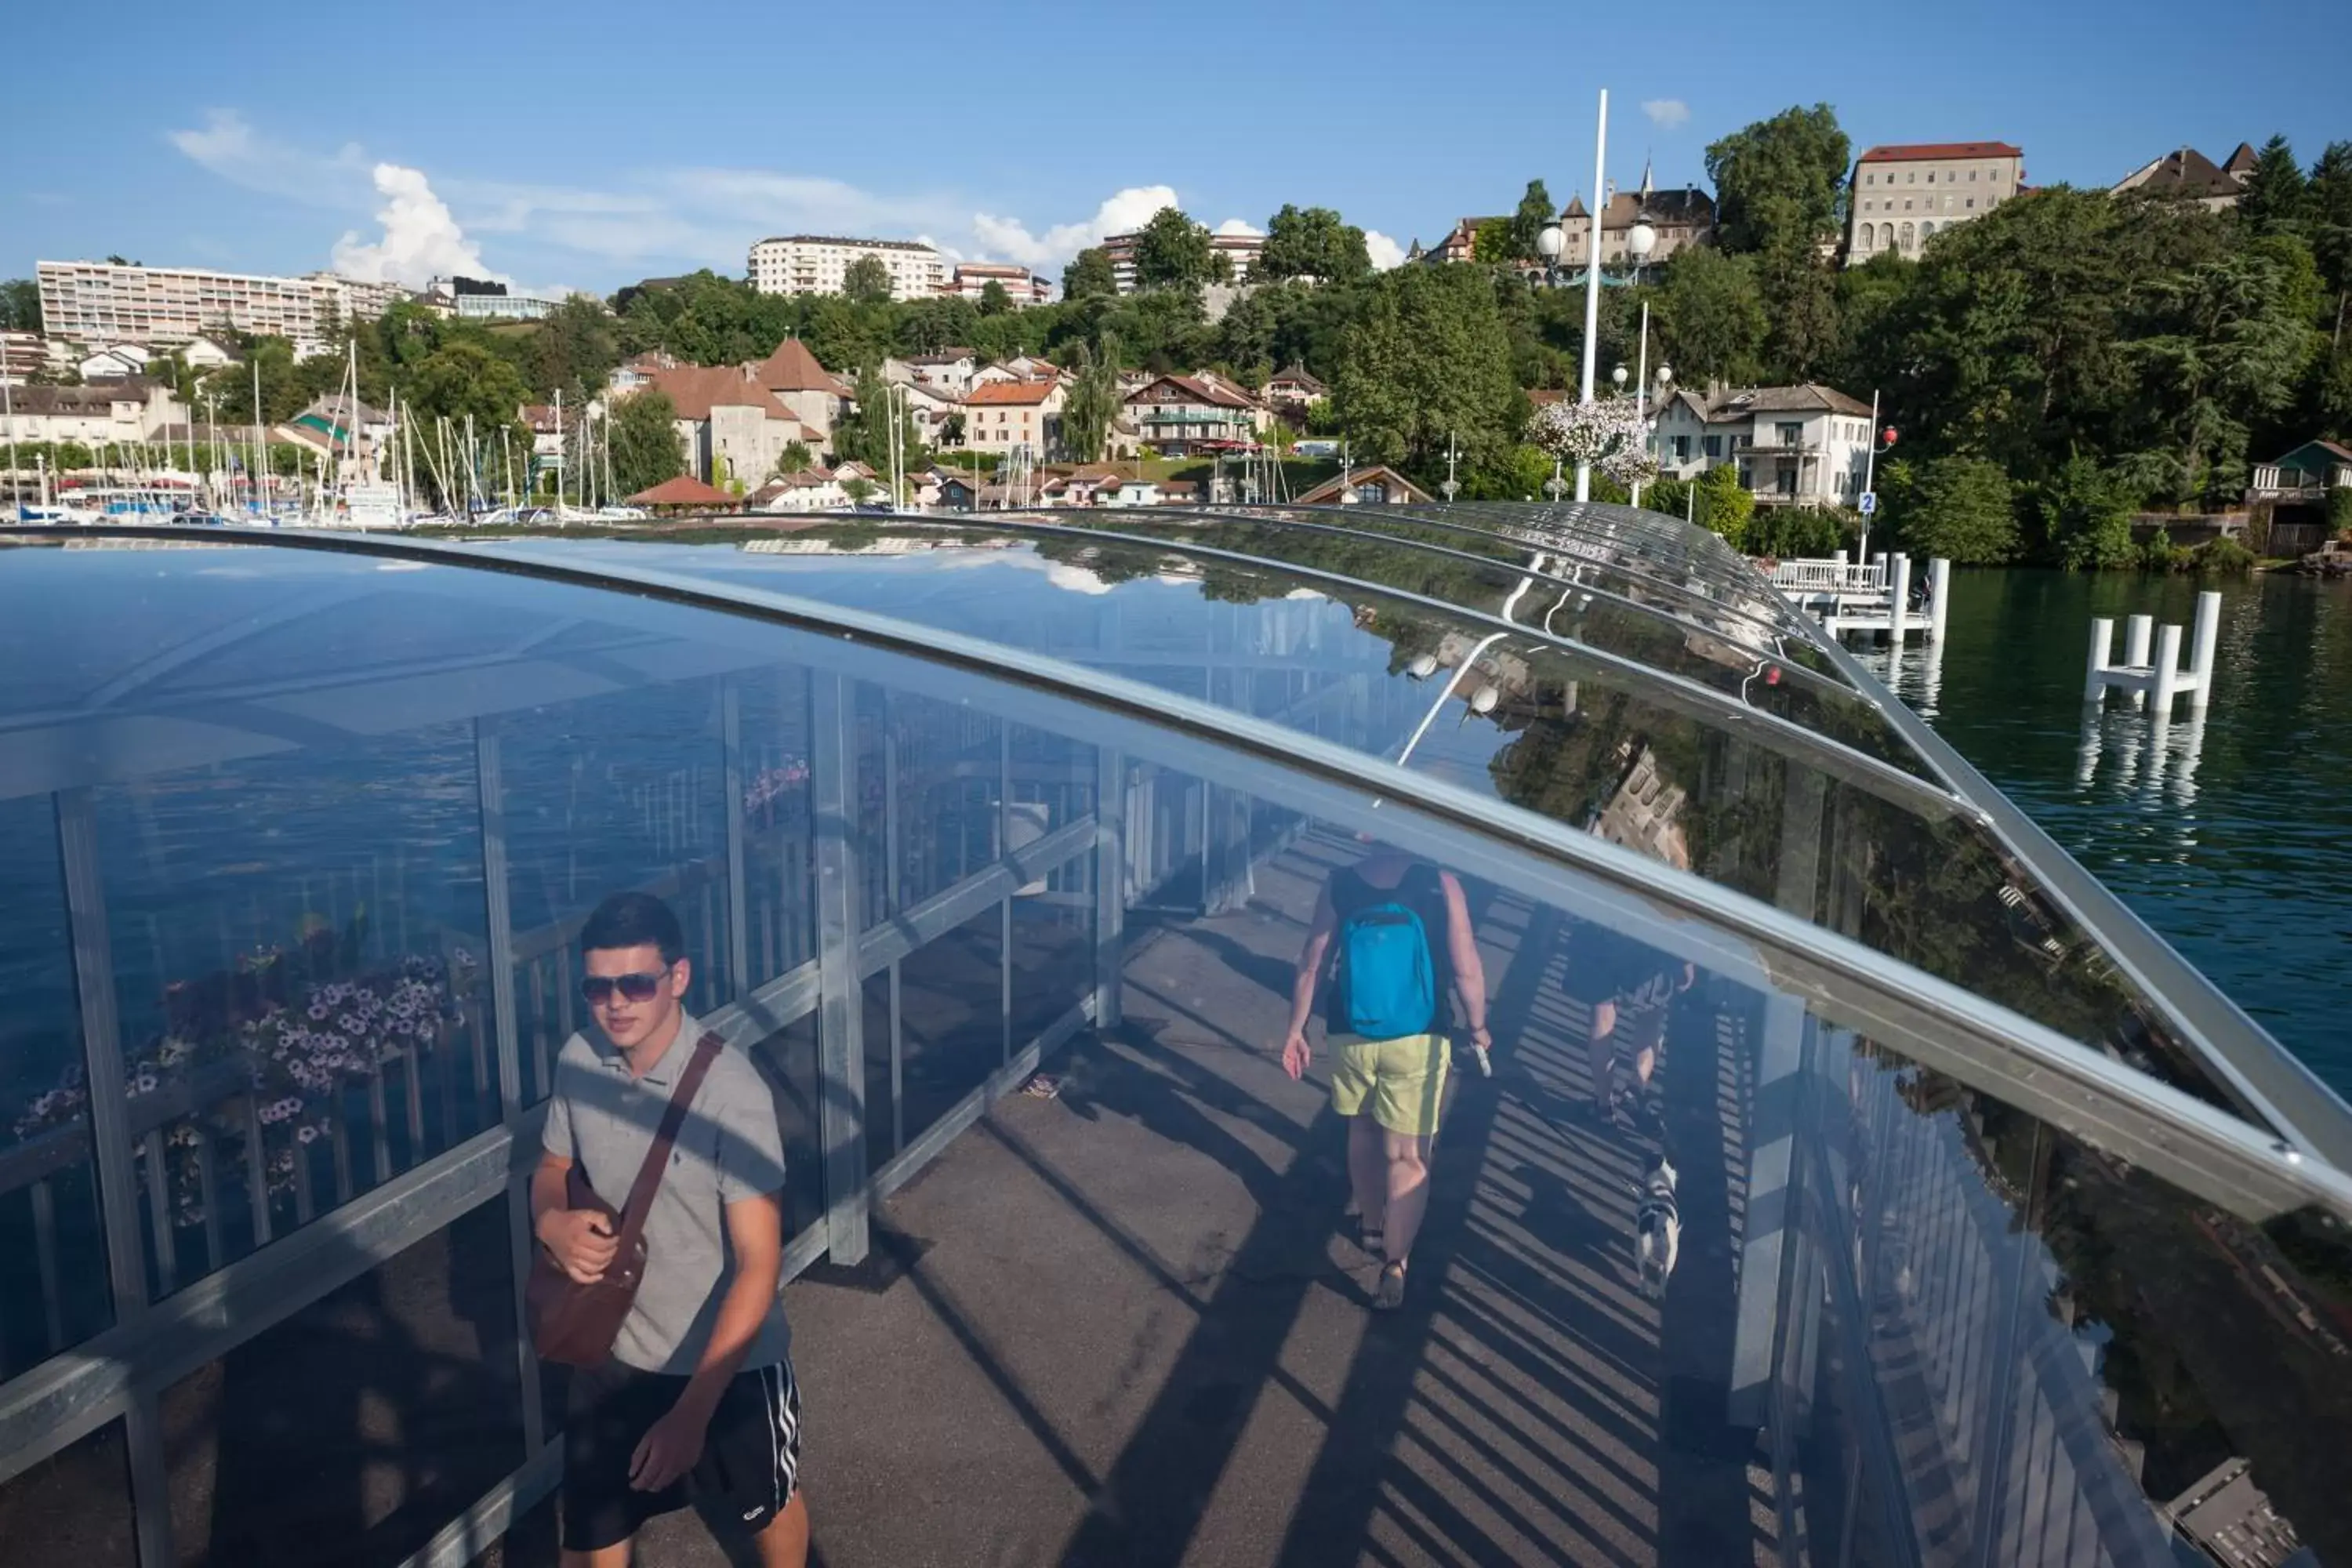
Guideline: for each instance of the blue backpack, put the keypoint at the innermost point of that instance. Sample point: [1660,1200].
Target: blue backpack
[1389,986]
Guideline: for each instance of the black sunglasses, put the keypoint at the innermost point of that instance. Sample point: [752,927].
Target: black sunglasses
[598,988]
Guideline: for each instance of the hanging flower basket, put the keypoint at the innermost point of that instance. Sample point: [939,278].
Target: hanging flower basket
[1608,435]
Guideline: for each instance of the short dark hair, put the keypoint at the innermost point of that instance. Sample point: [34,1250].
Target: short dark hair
[634,920]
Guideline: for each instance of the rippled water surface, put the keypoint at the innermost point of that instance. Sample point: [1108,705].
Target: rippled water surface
[2232,835]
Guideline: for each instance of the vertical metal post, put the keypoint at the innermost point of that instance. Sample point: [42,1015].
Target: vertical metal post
[1004,906]
[893,894]
[1767,1247]
[1939,596]
[840,1015]
[506,1034]
[1110,885]
[1898,601]
[740,979]
[2103,650]
[1592,279]
[110,1140]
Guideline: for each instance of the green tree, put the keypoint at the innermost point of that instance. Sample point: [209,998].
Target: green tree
[1313,242]
[952,430]
[993,300]
[2234,340]
[1491,242]
[1172,251]
[795,459]
[1781,180]
[2086,515]
[865,435]
[2329,217]
[1092,402]
[20,305]
[2275,195]
[1089,275]
[1534,213]
[574,348]
[1801,331]
[1430,358]
[1958,508]
[645,445]
[1723,506]
[1710,316]
[467,380]
[866,281]
[858,488]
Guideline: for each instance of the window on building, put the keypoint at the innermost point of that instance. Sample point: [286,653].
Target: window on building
[1682,448]
[1972,176]
[1791,431]
[1712,445]
[1906,204]
[1870,179]
[1915,178]
[1931,177]
[1747,477]
[1907,236]
[1973,201]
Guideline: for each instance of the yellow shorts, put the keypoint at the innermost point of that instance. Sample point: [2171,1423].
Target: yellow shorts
[1403,1081]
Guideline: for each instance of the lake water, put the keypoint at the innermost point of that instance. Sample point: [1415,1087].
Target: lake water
[2231,836]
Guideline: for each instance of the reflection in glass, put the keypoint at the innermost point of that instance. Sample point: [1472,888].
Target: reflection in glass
[952,1025]
[55,1293]
[73,1507]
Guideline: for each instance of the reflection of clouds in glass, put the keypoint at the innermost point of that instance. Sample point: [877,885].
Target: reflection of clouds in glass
[1077,579]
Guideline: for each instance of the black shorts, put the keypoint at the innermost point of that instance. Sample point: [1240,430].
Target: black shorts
[751,1456]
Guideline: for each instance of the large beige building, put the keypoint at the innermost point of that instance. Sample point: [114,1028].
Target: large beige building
[105,302]
[1676,218]
[818,264]
[1239,251]
[1904,195]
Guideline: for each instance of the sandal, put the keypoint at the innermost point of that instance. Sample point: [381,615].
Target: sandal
[1372,1238]
[1391,1295]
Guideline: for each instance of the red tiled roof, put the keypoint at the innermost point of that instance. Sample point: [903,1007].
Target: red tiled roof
[1197,389]
[1010,392]
[683,490]
[697,389]
[793,368]
[1913,152]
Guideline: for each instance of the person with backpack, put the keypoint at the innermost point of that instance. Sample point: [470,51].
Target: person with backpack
[1391,935]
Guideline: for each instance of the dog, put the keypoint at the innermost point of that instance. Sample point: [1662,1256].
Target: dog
[1657,1230]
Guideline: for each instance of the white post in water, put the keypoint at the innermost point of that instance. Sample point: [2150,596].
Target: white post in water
[1898,613]
[2103,650]
[1939,594]
[2201,649]
[2167,666]
[2136,632]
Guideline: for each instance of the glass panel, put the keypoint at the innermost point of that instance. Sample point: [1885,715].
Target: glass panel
[297,942]
[366,1420]
[72,1507]
[604,794]
[788,1058]
[54,1295]
[951,1018]
[780,893]
[948,763]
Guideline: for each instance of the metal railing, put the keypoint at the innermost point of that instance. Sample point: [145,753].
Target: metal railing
[1836,575]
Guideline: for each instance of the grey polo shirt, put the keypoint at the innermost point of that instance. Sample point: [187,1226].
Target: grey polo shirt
[730,1148]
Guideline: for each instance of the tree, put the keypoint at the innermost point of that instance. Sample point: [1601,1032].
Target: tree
[1313,243]
[858,488]
[1089,275]
[1801,331]
[467,380]
[1172,251]
[1723,505]
[993,300]
[20,305]
[1430,358]
[865,435]
[2276,195]
[645,445]
[1093,402]
[1958,508]
[1533,216]
[866,281]
[1710,316]
[2086,515]
[795,459]
[2234,341]
[2329,215]
[1490,242]
[952,430]
[1782,179]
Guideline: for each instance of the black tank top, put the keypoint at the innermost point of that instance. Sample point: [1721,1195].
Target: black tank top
[1420,889]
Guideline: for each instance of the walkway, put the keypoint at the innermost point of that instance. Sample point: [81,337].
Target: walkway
[1126,1327]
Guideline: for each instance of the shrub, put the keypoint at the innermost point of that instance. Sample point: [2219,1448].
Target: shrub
[1725,506]
[2221,557]
[2087,514]
[1787,532]
[2159,553]
[2339,512]
[1960,509]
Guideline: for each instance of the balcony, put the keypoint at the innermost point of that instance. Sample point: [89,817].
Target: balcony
[1995,1243]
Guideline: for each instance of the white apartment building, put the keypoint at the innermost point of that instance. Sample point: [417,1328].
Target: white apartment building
[1021,286]
[817,264]
[1241,252]
[1804,446]
[160,306]
[1904,195]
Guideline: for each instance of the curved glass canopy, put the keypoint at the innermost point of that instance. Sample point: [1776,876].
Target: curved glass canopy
[1974,1174]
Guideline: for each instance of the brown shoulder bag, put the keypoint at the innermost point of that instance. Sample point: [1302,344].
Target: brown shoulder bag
[574,1323]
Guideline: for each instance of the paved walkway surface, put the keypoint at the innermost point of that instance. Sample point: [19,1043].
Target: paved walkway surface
[1127,1327]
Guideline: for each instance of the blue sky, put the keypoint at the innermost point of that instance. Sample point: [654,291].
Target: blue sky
[587,145]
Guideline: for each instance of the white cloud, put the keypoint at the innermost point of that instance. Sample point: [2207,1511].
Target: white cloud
[1385,252]
[1240,226]
[229,147]
[1122,213]
[1666,112]
[421,239]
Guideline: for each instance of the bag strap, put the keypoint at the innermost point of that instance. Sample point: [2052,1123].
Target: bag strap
[649,1174]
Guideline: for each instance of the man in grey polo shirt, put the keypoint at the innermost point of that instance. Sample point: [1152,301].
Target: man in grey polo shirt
[698,1402]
